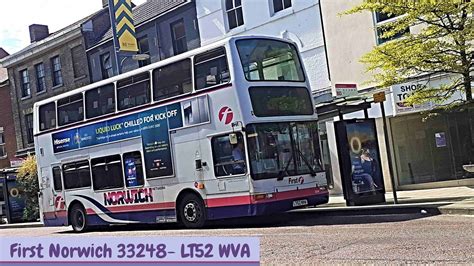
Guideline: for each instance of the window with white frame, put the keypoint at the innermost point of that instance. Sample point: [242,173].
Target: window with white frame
[3,151]
[381,21]
[233,9]
[279,5]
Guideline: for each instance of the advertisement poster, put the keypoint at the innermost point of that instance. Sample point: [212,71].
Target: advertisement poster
[156,147]
[16,202]
[131,172]
[366,171]
[440,138]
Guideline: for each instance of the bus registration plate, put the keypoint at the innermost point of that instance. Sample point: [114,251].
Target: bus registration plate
[299,203]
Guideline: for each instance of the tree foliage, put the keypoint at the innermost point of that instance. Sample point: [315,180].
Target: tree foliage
[27,181]
[440,42]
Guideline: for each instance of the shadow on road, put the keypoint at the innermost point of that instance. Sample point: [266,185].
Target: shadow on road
[298,218]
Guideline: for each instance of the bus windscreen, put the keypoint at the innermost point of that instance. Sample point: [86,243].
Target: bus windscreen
[269,60]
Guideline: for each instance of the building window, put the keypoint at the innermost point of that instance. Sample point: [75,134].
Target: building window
[133,91]
[40,78]
[106,66]
[144,48]
[233,9]
[70,109]
[100,101]
[29,128]
[107,172]
[229,158]
[279,5]
[57,74]
[210,68]
[381,19]
[3,151]
[78,55]
[47,116]
[77,175]
[25,83]
[178,32]
[172,80]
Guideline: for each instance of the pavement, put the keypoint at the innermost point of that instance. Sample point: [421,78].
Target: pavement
[453,200]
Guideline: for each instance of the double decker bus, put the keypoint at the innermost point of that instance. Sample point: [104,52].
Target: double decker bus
[226,130]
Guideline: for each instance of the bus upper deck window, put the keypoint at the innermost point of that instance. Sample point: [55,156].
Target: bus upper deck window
[47,116]
[133,91]
[211,68]
[172,80]
[70,109]
[100,101]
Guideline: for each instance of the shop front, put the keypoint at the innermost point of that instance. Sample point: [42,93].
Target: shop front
[430,150]
[433,149]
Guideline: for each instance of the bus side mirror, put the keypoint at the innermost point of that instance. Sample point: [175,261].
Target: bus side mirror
[233,138]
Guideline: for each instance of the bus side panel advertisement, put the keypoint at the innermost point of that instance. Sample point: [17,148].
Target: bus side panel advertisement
[117,129]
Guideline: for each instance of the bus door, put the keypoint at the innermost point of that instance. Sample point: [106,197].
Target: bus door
[227,158]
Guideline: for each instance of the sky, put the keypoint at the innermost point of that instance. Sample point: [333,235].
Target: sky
[17,15]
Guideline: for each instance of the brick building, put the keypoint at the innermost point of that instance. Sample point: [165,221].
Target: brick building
[7,131]
[50,65]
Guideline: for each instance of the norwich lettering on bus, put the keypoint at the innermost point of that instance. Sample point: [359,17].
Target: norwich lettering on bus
[132,196]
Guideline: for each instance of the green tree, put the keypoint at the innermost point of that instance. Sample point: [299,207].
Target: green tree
[440,42]
[27,180]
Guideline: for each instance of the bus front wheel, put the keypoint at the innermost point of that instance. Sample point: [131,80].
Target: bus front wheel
[78,218]
[192,211]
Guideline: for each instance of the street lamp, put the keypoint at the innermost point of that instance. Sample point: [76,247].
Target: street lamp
[136,57]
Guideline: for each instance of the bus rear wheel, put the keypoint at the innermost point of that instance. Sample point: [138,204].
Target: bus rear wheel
[78,219]
[192,211]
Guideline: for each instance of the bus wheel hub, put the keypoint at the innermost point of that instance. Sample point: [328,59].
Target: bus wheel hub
[190,212]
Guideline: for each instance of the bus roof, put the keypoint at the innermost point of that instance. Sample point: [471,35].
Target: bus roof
[152,66]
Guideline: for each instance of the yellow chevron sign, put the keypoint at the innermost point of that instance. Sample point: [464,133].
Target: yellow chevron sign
[125,29]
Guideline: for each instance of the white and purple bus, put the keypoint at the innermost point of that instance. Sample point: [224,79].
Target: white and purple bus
[226,130]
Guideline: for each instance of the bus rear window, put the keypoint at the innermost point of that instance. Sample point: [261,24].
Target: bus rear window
[281,101]
[133,91]
[47,116]
[70,109]
[269,60]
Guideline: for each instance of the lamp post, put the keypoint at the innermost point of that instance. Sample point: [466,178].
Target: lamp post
[136,57]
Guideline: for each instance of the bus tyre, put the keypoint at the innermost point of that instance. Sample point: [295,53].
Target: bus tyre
[78,219]
[192,211]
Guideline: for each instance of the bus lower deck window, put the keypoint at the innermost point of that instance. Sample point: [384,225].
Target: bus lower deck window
[77,175]
[107,172]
